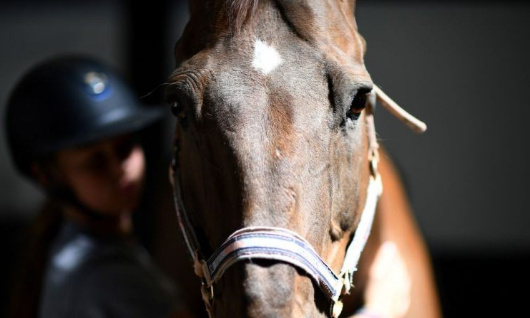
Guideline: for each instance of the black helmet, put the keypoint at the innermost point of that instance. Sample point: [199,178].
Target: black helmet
[70,101]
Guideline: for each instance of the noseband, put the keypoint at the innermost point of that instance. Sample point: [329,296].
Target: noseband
[282,245]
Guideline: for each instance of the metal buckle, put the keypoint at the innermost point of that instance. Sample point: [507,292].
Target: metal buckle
[207,297]
[374,161]
[207,291]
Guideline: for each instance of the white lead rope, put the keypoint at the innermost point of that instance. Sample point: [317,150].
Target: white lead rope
[412,122]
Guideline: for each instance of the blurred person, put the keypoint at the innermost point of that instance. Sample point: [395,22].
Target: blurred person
[73,127]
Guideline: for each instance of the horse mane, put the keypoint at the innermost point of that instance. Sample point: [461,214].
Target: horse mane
[238,11]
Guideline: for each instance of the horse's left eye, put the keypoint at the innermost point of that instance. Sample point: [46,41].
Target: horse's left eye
[358,104]
[178,110]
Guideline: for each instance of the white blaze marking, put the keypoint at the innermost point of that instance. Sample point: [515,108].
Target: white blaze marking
[266,58]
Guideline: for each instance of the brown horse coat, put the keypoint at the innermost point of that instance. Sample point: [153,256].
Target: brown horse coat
[271,133]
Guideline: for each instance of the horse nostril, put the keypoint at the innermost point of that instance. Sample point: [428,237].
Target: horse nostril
[358,104]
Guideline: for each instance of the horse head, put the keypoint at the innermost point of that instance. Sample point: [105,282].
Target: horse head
[271,132]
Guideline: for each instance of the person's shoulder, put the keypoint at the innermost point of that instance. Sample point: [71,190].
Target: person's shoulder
[122,281]
[69,254]
[87,276]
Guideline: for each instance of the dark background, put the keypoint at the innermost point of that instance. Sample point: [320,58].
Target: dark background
[462,67]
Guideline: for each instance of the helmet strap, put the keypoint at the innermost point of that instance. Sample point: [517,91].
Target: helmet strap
[56,189]
[67,196]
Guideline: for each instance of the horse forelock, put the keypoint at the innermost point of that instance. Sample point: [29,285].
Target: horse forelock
[232,14]
[238,11]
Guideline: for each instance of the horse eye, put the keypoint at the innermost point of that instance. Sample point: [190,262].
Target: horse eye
[178,110]
[357,105]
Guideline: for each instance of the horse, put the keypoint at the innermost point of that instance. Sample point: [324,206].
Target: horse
[275,157]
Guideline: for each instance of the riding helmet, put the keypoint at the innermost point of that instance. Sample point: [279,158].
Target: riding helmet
[67,102]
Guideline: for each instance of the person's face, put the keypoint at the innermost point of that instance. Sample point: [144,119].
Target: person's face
[106,176]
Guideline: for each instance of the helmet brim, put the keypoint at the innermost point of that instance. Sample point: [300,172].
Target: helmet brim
[133,122]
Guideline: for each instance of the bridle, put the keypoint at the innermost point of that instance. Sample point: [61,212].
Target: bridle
[282,245]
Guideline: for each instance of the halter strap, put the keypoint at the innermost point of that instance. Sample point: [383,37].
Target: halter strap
[272,243]
[279,244]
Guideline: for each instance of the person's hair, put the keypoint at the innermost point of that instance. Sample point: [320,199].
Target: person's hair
[27,287]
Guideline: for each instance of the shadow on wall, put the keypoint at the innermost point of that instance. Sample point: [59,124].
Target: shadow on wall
[483,285]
